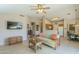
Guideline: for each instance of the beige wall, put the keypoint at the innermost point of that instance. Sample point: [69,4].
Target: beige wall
[37,21]
[45,31]
[5,33]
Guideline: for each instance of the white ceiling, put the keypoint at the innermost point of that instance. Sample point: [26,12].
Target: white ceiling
[25,9]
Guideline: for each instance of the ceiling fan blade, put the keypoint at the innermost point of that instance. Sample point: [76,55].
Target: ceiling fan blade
[37,12]
[40,8]
[46,8]
[44,12]
[34,9]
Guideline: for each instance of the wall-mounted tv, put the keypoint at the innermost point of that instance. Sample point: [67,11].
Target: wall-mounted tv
[14,25]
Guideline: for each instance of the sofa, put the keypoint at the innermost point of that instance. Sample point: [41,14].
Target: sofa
[46,38]
[48,42]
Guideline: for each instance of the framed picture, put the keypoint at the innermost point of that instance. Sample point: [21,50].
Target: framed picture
[14,25]
[71,27]
[32,23]
[49,26]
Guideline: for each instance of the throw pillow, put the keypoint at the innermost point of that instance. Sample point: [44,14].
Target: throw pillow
[53,36]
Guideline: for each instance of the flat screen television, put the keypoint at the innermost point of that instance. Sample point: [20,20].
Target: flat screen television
[14,25]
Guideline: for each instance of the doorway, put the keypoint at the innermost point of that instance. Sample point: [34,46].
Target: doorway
[61,29]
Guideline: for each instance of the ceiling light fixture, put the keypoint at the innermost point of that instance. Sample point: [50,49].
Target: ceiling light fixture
[56,17]
[40,8]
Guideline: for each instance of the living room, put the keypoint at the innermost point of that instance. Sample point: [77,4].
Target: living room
[17,20]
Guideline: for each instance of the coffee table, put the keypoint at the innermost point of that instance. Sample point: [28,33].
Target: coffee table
[35,43]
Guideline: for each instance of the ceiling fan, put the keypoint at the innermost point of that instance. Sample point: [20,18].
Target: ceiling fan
[40,8]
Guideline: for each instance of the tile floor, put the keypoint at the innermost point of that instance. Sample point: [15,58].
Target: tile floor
[66,47]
